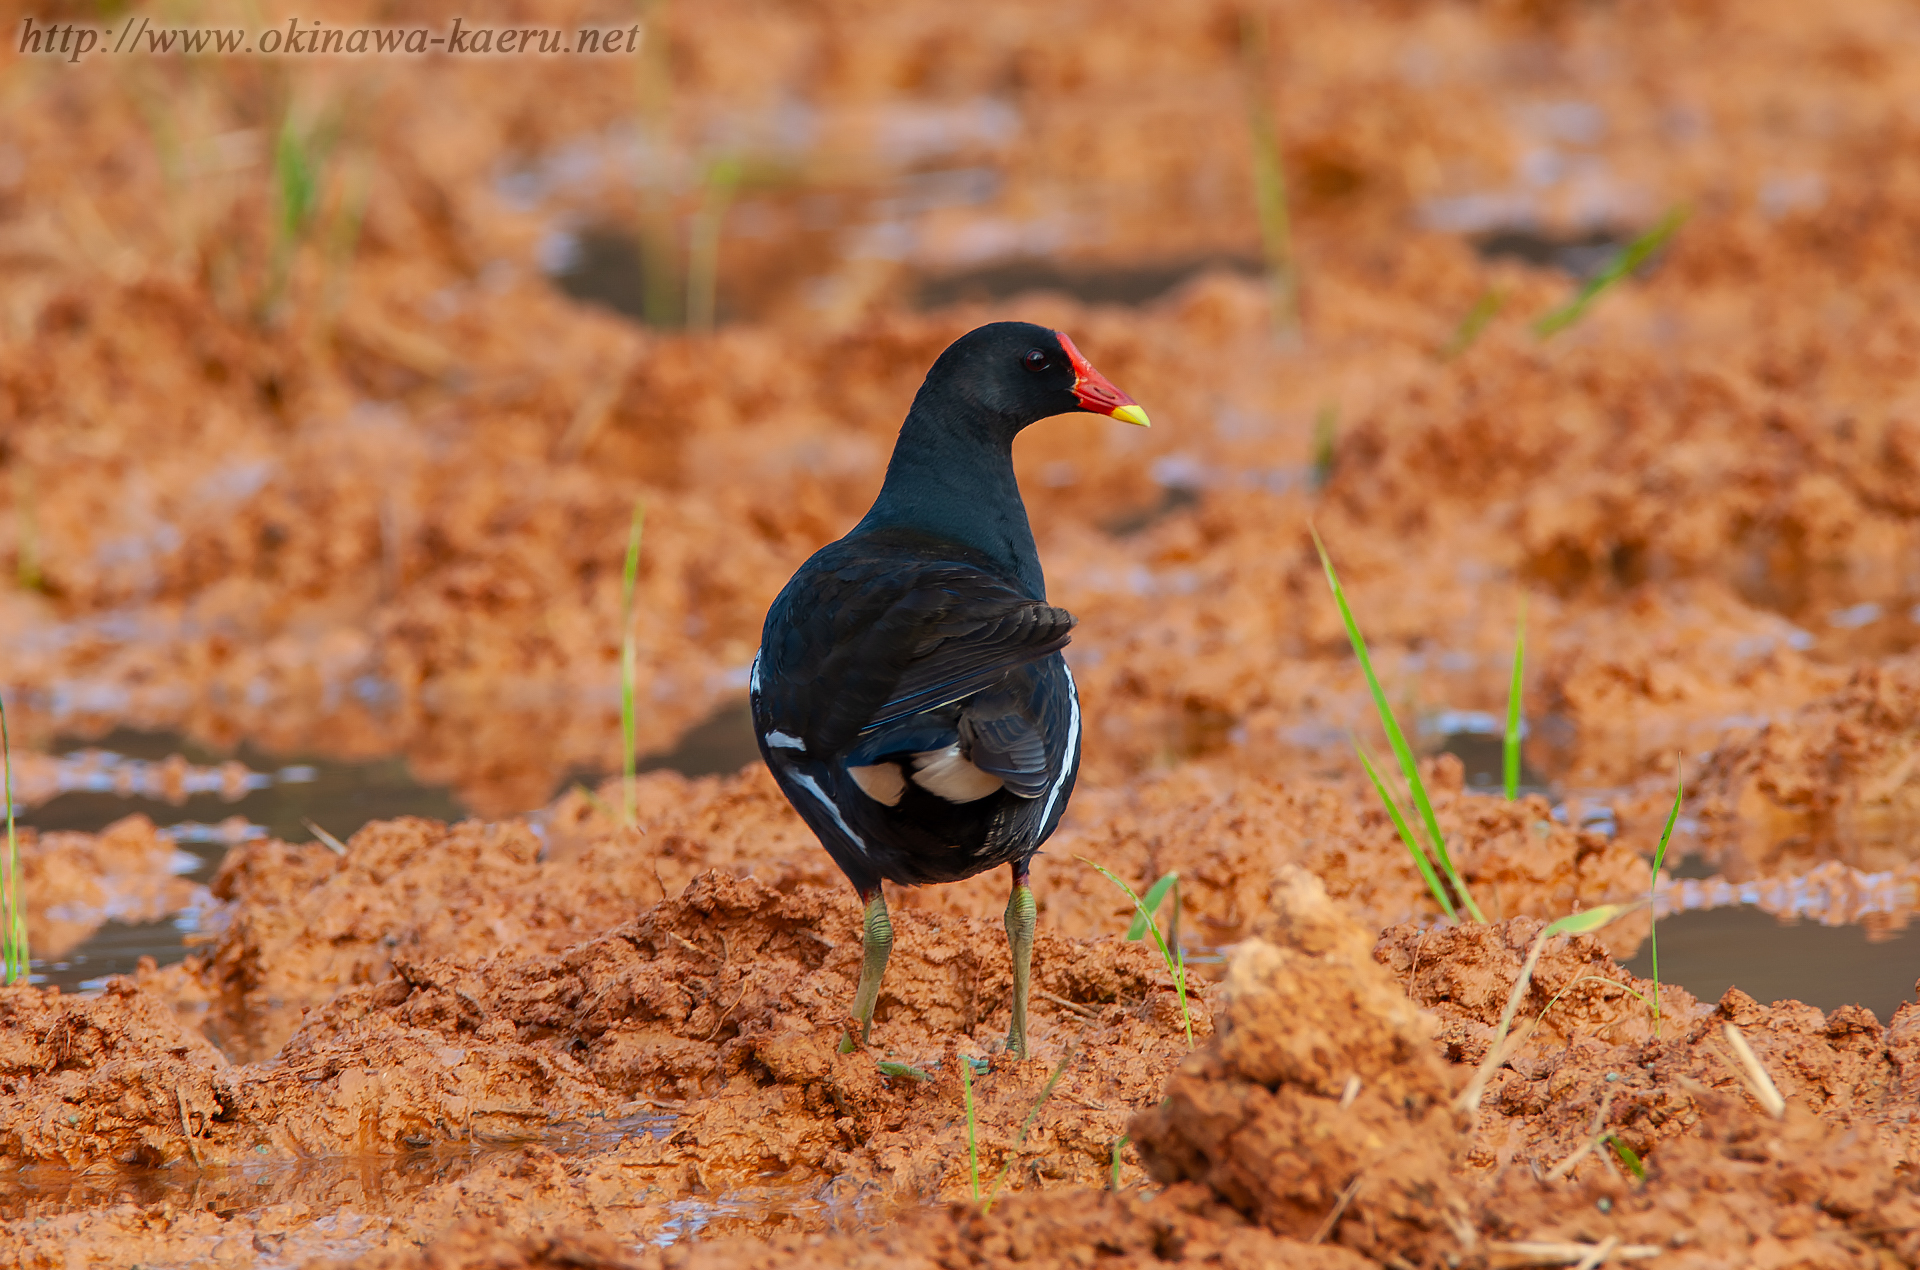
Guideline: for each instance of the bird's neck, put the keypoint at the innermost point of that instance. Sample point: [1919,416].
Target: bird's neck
[949,481]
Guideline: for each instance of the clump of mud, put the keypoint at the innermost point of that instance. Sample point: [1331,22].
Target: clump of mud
[1323,1100]
[1838,779]
[76,882]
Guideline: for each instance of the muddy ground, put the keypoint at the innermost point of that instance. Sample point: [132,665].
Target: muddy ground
[349,472]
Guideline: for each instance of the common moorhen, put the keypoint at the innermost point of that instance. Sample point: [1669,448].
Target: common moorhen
[909,694]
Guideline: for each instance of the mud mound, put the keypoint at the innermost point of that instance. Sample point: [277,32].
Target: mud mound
[1185,1226]
[300,924]
[1232,838]
[108,1079]
[77,882]
[723,1006]
[1839,779]
[1591,1061]
[1322,1093]
[730,1001]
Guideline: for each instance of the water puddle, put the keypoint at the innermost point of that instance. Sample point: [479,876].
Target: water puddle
[1832,937]
[1775,959]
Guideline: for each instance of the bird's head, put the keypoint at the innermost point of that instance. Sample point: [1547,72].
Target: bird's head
[1021,373]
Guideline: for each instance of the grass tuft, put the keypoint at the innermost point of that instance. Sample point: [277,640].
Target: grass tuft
[719,180]
[973,1146]
[26,565]
[1486,308]
[629,735]
[1269,177]
[1630,257]
[14,938]
[1150,903]
[1113,1182]
[1511,748]
[1408,767]
[1326,432]
[1174,958]
[1581,923]
[1653,886]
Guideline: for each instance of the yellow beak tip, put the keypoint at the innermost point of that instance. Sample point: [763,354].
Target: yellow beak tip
[1132,414]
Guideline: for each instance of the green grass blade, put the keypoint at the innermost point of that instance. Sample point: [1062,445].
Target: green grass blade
[1660,858]
[1484,310]
[1020,1139]
[1150,903]
[1401,750]
[1176,966]
[1512,746]
[1118,1143]
[973,1146]
[630,577]
[1631,257]
[1587,921]
[1269,178]
[1629,1157]
[1406,834]
[1326,438]
[15,936]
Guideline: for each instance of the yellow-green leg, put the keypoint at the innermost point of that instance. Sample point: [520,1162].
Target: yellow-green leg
[1021,919]
[878,942]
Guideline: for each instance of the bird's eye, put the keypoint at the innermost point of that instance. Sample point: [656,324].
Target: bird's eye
[1036,359]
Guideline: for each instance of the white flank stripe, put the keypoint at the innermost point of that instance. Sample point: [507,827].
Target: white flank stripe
[785,741]
[813,787]
[1073,742]
[753,676]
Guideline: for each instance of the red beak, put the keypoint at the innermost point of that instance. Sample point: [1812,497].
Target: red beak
[1096,392]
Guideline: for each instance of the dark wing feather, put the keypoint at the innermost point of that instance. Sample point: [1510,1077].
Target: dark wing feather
[971,646]
[1003,737]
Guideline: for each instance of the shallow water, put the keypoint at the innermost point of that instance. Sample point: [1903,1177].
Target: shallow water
[280,796]
[1722,939]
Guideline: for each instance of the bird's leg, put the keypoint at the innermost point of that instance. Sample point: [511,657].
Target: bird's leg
[1021,919]
[877,938]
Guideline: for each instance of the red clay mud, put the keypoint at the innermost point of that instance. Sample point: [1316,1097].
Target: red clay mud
[365,491]
[75,882]
[1838,779]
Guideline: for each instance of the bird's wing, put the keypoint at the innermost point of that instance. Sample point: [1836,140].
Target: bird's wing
[966,643]
[863,642]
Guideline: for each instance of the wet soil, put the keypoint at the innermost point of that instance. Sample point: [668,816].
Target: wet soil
[358,487]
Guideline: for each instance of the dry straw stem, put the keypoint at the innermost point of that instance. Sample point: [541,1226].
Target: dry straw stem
[1554,1253]
[1753,1075]
[1497,1051]
[326,839]
[1596,1134]
[1340,1206]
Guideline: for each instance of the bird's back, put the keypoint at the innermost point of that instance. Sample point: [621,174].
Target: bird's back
[911,700]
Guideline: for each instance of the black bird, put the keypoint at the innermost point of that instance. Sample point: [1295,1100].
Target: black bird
[909,694]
